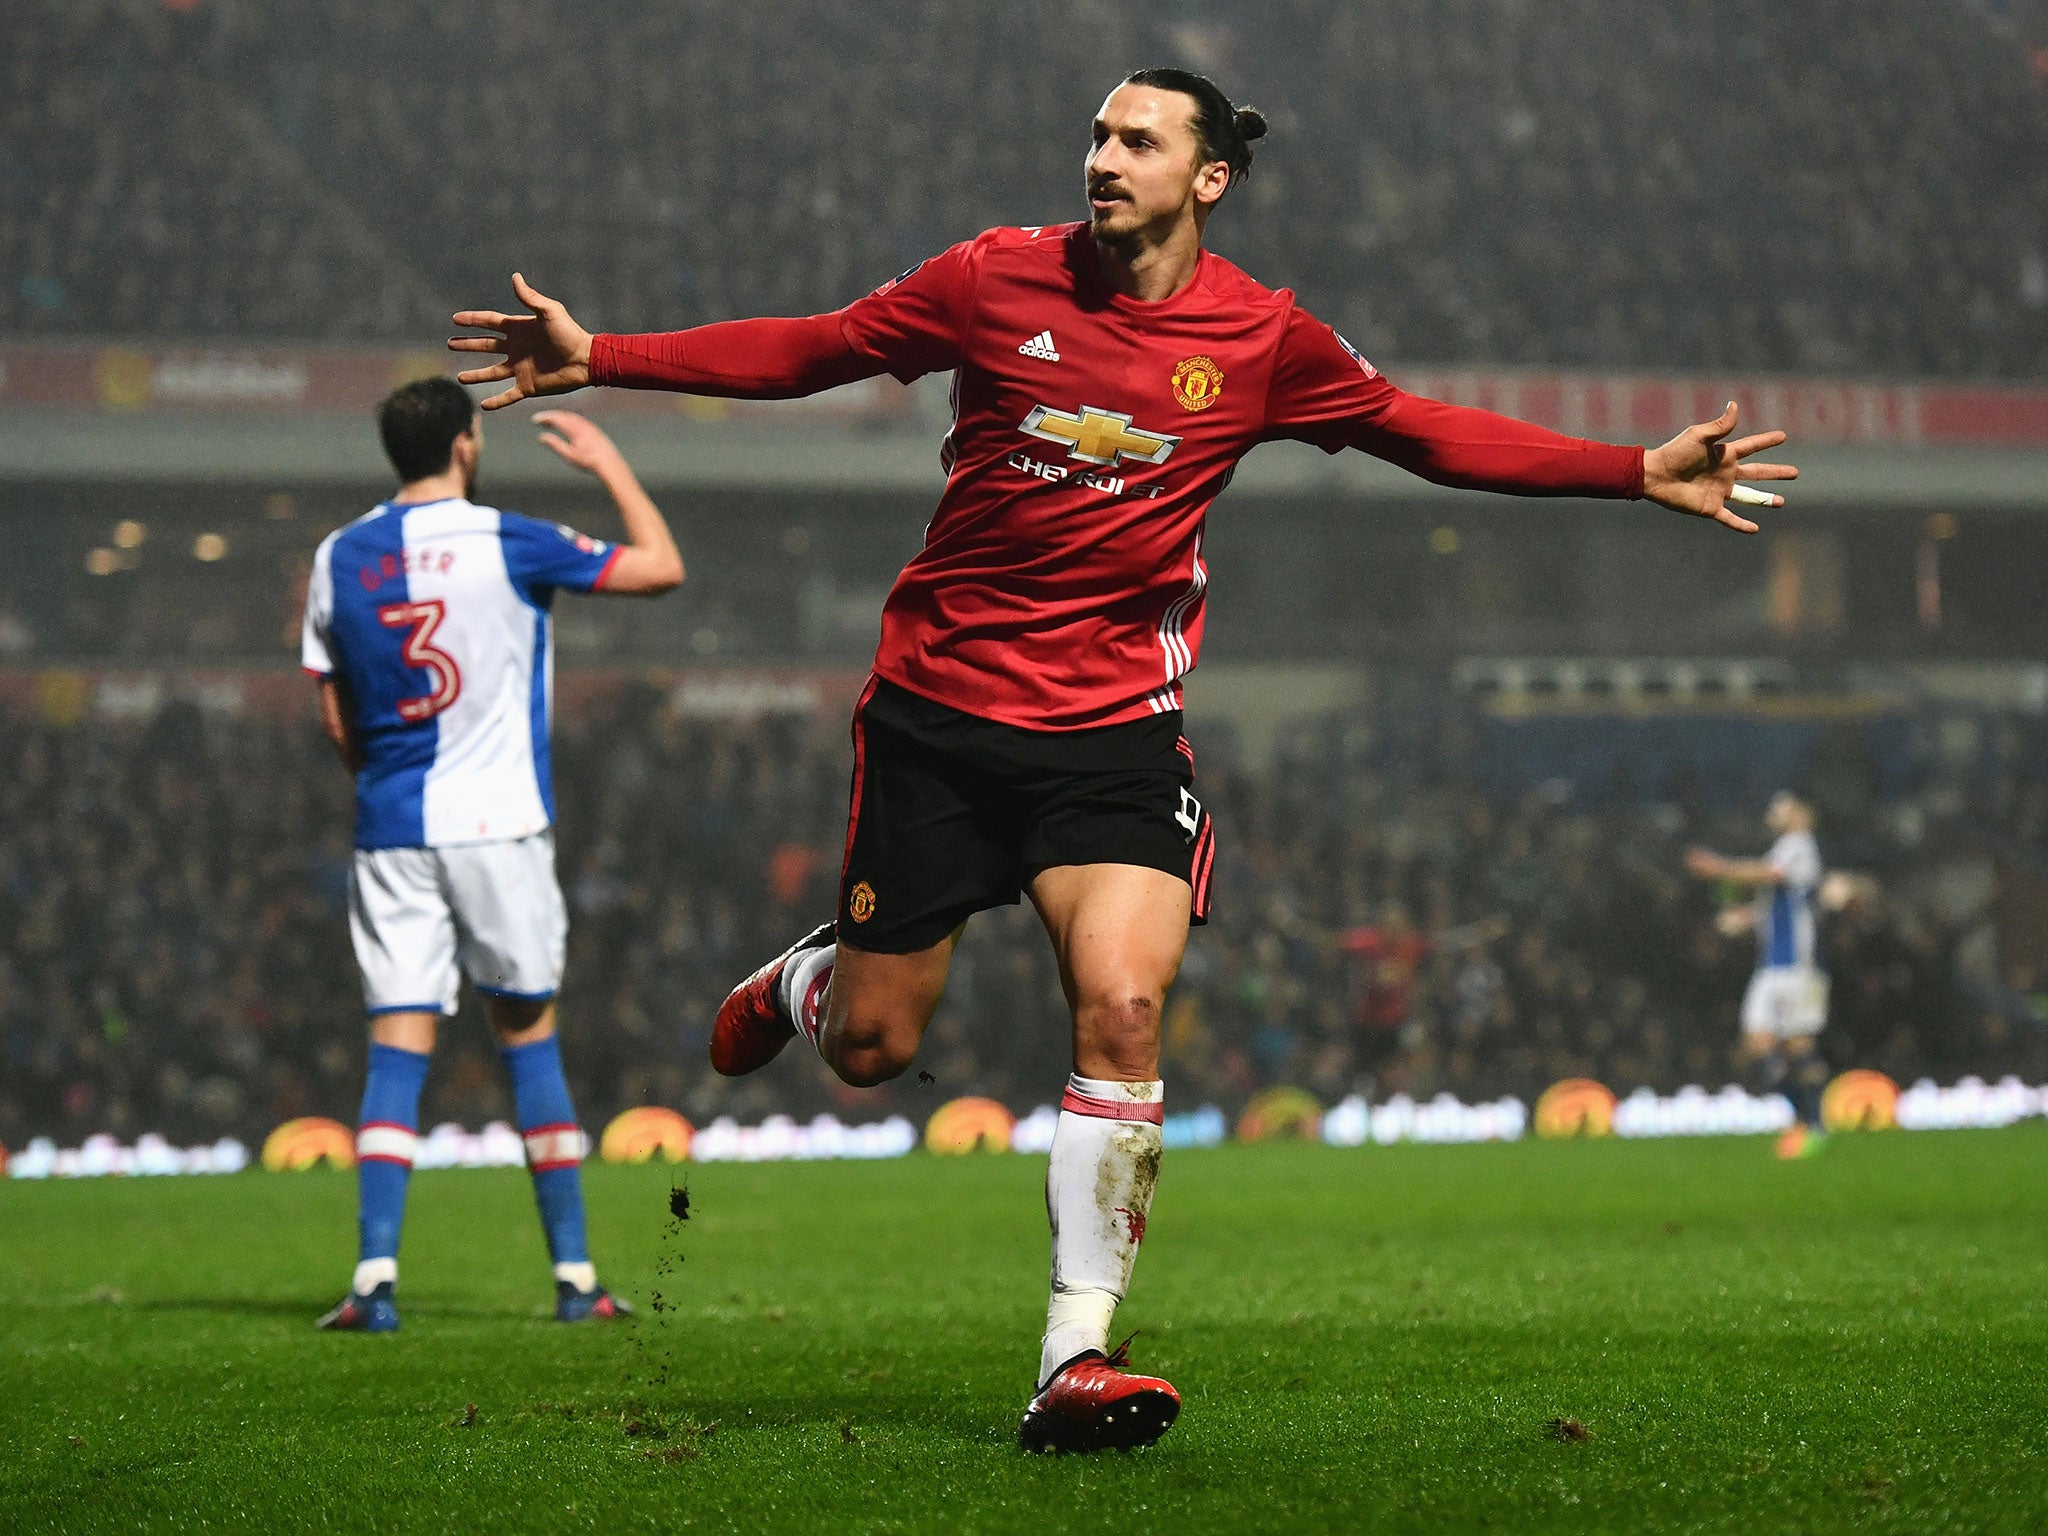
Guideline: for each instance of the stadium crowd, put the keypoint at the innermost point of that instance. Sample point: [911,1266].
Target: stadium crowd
[1855,186]
[174,952]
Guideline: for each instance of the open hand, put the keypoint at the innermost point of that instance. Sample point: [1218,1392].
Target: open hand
[1696,472]
[1734,922]
[1704,863]
[545,353]
[577,440]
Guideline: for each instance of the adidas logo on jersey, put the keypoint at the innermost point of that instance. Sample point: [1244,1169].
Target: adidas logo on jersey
[1040,346]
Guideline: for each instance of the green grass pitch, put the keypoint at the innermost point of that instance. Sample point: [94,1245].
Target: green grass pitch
[1374,1340]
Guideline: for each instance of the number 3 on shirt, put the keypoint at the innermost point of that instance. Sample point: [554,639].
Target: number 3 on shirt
[420,651]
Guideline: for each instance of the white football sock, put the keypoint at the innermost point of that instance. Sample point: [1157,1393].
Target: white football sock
[1098,1194]
[581,1275]
[372,1273]
[805,981]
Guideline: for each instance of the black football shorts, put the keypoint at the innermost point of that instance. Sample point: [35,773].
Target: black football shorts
[952,814]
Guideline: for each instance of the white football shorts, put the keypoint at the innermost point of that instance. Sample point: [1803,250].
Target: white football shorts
[423,918]
[1785,1002]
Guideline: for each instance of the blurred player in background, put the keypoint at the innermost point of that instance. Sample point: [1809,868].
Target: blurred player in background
[1786,1006]
[427,626]
[1022,732]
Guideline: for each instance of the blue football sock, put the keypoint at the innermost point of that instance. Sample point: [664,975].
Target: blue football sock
[554,1145]
[1808,1080]
[386,1132]
[1767,1073]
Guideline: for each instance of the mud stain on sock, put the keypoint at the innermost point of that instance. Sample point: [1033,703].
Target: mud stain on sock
[1126,1179]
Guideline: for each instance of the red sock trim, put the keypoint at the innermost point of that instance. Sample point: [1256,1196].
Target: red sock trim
[808,1022]
[1076,1103]
[552,1146]
[386,1141]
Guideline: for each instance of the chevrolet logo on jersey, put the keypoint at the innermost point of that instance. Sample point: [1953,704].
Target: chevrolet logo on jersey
[1097,436]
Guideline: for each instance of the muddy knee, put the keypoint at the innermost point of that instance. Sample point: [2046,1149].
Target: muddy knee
[1116,1034]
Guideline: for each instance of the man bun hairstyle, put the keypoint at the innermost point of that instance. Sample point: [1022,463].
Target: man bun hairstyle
[419,423]
[1222,131]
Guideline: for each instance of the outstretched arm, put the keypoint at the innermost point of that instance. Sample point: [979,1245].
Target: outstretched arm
[548,353]
[1323,392]
[1476,450]
[1709,865]
[1695,472]
[735,359]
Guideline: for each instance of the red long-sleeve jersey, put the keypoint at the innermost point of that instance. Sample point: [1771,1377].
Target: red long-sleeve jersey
[1061,581]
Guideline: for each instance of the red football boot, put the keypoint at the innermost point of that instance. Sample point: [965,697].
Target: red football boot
[752,1028]
[1093,1404]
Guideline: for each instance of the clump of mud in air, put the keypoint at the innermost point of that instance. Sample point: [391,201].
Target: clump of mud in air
[657,1358]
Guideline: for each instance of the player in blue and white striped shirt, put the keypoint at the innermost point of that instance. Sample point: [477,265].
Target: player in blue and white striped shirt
[427,625]
[1786,1005]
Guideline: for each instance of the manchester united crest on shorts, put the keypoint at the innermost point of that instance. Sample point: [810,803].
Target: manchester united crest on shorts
[1197,381]
[860,902]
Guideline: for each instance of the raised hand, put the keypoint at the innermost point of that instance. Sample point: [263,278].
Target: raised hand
[1696,472]
[577,440]
[545,353]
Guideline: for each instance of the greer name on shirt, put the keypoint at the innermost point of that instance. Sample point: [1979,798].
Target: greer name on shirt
[410,562]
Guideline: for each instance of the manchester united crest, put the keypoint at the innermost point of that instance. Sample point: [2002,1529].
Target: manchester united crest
[860,902]
[1197,381]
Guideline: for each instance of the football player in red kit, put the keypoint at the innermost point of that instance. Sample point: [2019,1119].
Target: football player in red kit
[1021,734]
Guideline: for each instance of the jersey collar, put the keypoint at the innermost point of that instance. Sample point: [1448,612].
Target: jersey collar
[1089,265]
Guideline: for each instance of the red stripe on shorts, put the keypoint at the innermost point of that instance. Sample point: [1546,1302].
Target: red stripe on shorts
[1202,866]
[1112,1109]
[860,763]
